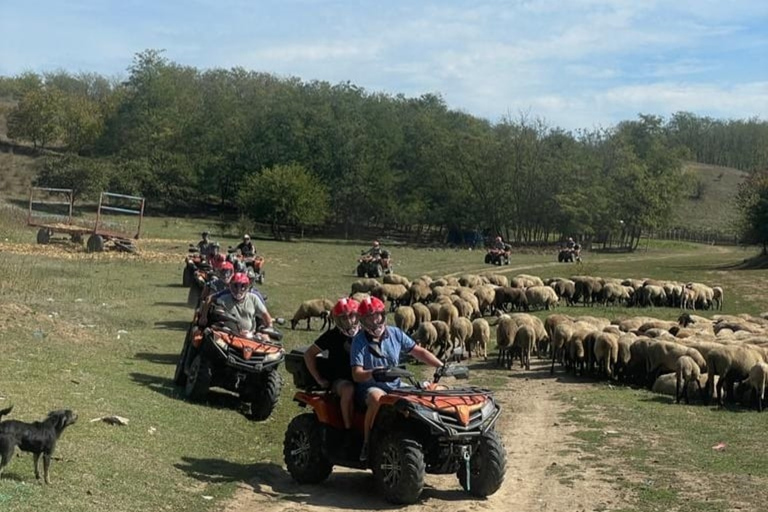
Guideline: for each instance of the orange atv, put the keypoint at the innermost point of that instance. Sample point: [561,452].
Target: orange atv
[244,363]
[419,429]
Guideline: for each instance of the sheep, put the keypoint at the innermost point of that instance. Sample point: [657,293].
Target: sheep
[663,355]
[525,281]
[717,297]
[463,307]
[364,286]
[686,371]
[443,337]
[525,340]
[606,352]
[315,308]
[758,381]
[731,363]
[470,280]
[576,351]
[507,295]
[486,295]
[559,336]
[434,310]
[461,330]
[704,295]
[497,279]
[360,296]
[652,295]
[505,336]
[634,323]
[396,279]
[481,336]
[448,313]
[421,314]
[666,385]
[586,288]
[395,293]
[426,335]
[419,292]
[565,289]
[614,293]
[543,296]
[405,319]
[624,355]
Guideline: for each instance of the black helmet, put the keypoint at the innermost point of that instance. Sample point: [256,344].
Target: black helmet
[205,234]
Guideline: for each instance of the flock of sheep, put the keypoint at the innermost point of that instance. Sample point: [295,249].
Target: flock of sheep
[692,355]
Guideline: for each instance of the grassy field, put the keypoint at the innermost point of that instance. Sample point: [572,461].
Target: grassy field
[100,334]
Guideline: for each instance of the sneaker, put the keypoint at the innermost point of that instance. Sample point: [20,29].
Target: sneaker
[364,452]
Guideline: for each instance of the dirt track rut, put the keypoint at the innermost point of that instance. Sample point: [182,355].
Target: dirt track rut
[544,467]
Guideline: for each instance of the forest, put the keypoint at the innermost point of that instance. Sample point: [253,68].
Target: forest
[299,155]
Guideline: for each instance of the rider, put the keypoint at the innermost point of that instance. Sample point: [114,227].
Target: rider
[337,342]
[237,301]
[498,244]
[204,244]
[246,247]
[570,244]
[376,347]
[220,280]
[375,251]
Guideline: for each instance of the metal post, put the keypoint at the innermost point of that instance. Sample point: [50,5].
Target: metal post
[98,213]
[141,216]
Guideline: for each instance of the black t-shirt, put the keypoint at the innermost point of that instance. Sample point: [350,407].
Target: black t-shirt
[246,248]
[338,346]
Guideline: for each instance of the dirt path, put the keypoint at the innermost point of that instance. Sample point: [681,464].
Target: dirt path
[544,467]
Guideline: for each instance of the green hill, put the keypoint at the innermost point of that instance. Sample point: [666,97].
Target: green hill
[711,205]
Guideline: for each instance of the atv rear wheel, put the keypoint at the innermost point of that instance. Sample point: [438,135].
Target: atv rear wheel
[187,277]
[399,469]
[198,380]
[486,467]
[302,450]
[265,396]
[378,271]
[360,271]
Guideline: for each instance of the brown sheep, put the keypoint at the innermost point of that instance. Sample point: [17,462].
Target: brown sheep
[525,340]
[731,363]
[421,313]
[405,319]
[315,308]
[687,371]
[481,336]
[461,331]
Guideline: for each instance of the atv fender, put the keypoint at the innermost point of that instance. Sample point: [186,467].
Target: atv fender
[326,410]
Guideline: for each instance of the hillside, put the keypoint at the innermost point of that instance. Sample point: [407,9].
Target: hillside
[715,210]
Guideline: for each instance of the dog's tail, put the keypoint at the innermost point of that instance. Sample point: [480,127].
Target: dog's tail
[4,412]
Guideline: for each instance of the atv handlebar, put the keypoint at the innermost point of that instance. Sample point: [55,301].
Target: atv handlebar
[391,374]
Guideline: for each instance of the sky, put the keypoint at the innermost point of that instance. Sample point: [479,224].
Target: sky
[573,63]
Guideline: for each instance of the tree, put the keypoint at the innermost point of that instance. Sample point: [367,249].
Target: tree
[752,200]
[85,176]
[37,117]
[284,195]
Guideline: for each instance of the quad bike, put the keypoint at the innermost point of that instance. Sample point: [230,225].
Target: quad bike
[244,363]
[497,256]
[200,277]
[192,262]
[254,263]
[568,255]
[371,266]
[420,429]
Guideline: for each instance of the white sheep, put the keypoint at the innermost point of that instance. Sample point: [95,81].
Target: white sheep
[481,336]
[686,372]
[315,308]
[758,381]
[405,319]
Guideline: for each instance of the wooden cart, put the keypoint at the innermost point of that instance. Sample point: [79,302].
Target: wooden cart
[99,238]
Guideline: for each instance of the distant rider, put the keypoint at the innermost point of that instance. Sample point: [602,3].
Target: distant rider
[498,244]
[338,342]
[246,247]
[203,245]
[219,281]
[376,347]
[375,251]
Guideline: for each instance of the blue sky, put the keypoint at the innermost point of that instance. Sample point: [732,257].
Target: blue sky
[576,64]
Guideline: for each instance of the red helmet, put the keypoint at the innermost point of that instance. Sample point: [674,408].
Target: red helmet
[226,270]
[239,286]
[344,314]
[373,316]
[227,265]
[217,260]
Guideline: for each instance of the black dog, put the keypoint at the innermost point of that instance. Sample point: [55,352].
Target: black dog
[39,438]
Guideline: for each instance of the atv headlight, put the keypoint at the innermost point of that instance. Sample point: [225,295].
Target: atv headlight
[273,357]
[220,343]
[488,409]
[426,412]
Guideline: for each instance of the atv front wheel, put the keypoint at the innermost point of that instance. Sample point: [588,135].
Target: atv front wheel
[360,271]
[302,450]
[398,469]
[198,380]
[265,396]
[180,375]
[486,467]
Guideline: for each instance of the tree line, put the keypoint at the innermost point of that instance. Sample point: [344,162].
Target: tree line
[296,154]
